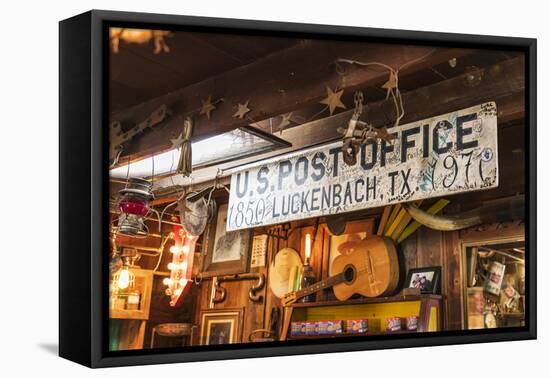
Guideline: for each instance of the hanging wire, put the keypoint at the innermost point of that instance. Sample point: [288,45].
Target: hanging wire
[154,211]
[394,72]
[172,166]
[161,249]
[167,207]
[127,174]
[115,160]
[153,168]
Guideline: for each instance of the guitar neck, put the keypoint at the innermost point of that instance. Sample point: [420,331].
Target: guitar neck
[318,286]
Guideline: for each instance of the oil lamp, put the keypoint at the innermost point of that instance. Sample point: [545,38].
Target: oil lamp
[134,207]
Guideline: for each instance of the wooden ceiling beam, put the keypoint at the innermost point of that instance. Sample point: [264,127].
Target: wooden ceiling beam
[503,83]
[278,83]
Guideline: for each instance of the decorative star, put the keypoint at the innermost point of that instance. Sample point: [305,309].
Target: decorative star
[207,107]
[333,100]
[285,121]
[177,142]
[243,109]
[391,84]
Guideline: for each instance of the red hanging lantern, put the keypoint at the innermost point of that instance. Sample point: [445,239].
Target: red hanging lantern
[134,207]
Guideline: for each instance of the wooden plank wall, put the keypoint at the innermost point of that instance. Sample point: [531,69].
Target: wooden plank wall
[428,247]
[424,248]
[257,314]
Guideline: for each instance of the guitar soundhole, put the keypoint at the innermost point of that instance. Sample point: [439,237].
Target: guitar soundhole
[349,274]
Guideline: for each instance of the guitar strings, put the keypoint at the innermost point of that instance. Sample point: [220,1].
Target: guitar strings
[324,283]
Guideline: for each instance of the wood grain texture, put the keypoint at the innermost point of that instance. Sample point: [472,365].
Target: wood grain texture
[452,281]
[290,79]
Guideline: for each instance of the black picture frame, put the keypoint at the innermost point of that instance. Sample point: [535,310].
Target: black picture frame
[83,181]
[435,282]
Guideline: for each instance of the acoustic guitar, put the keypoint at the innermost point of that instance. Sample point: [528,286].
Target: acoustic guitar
[371,270]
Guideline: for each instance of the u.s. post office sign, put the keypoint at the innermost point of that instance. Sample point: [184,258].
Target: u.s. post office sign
[439,156]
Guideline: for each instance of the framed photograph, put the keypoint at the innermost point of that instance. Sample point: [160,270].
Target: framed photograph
[227,252]
[182,138]
[219,327]
[426,279]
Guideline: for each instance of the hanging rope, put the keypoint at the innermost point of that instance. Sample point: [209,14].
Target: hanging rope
[186,158]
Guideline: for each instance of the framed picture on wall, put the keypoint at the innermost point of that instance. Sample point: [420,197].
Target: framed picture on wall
[225,252]
[427,279]
[221,326]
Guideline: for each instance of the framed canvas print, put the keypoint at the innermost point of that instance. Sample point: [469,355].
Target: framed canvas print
[316,188]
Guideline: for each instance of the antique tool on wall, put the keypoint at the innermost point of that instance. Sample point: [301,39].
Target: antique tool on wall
[195,212]
[358,132]
[117,137]
[371,270]
[494,211]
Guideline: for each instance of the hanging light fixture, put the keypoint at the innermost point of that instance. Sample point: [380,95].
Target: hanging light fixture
[134,207]
[124,293]
[124,279]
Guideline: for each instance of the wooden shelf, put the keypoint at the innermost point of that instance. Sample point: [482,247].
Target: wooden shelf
[426,306]
[343,335]
[397,298]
